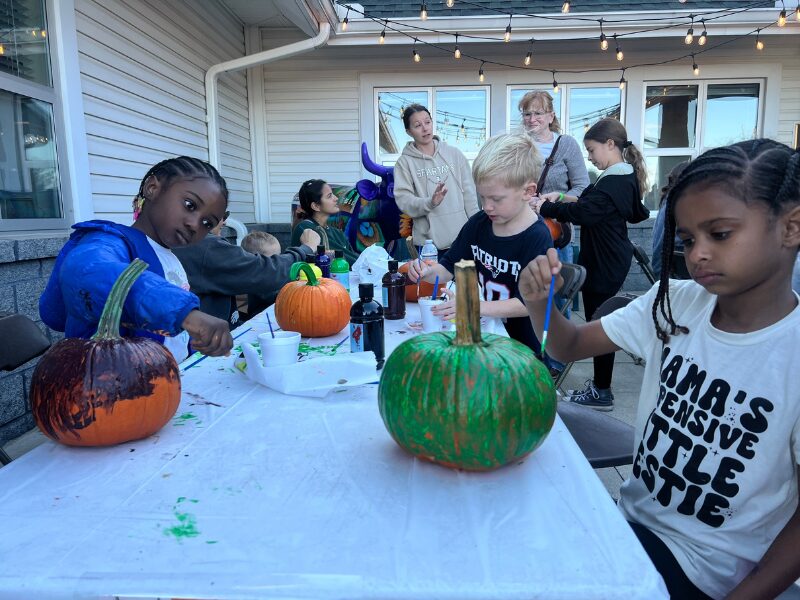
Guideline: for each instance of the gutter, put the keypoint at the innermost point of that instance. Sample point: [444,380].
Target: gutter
[252,60]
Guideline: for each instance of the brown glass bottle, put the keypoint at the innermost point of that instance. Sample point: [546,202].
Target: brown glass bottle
[394,293]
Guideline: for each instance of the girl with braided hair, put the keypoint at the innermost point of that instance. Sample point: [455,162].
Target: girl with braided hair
[713,492]
[179,201]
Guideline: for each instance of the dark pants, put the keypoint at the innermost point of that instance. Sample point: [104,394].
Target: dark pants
[678,584]
[603,365]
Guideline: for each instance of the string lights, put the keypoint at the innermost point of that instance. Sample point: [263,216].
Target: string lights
[565,7]
[701,41]
[603,40]
[782,15]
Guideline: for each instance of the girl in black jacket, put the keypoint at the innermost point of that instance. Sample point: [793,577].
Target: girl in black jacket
[603,211]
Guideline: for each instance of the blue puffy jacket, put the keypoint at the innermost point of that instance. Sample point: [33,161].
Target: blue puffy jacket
[86,268]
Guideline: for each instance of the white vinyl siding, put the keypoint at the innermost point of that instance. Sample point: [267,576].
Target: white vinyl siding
[143,66]
[312,116]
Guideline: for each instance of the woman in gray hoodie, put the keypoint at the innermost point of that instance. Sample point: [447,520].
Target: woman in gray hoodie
[433,182]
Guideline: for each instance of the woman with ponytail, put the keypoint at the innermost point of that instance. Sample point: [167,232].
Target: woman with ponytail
[603,211]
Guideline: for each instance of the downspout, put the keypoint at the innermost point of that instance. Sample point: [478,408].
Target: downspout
[246,62]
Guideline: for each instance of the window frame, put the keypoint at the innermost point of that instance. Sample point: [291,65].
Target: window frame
[49,95]
[390,159]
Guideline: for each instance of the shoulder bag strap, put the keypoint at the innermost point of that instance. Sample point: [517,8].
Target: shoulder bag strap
[547,164]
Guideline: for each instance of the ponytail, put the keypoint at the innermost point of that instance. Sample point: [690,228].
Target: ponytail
[611,129]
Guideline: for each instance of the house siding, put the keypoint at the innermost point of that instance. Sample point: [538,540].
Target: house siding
[143,68]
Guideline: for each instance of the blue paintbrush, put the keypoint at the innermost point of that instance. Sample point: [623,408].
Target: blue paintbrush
[547,312]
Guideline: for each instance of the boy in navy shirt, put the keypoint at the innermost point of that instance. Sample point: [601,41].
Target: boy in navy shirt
[502,238]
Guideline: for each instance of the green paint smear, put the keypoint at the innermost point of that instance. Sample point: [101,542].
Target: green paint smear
[181,420]
[212,542]
[186,528]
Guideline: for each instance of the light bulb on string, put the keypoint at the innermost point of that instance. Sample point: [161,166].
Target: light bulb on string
[423,11]
[507,34]
[450,3]
[701,41]
[2,49]
[690,33]
[759,43]
[382,39]
[782,16]
[555,83]
[457,51]
[481,78]
[622,80]
[414,53]
[529,55]
[44,33]
[346,19]
[695,68]
[603,40]
[565,7]
[797,13]
[619,53]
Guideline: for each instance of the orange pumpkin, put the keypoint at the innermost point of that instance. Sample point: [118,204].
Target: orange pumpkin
[318,307]
[108,389]
[425,288]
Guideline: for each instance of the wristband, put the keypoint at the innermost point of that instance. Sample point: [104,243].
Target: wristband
[560,196]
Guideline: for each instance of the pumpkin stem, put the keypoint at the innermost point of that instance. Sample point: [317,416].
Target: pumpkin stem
[305,268]
[108,327]
[468,305]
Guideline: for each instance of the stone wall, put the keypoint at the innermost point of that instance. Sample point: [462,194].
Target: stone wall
[25,266]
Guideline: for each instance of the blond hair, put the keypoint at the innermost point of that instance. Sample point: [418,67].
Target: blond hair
[261,242]
[545,100]
[510,157]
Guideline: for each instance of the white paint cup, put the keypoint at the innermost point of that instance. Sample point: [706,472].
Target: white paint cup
[280,350]
[430,322]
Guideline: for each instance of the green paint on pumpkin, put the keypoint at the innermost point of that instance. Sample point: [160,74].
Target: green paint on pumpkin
[466,401]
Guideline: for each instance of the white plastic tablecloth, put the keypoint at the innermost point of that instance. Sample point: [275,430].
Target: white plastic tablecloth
[248,493]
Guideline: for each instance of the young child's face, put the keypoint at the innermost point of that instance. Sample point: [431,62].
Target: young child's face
[183,212]
[603,155]
[502,204]
[730,247]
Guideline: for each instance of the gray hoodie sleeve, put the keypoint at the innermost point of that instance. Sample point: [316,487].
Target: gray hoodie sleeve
[216,266]
[405,193]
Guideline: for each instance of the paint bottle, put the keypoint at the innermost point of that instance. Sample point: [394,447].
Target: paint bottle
[340,269]
[366,324]
[394,293]
[310,258]
[323,261]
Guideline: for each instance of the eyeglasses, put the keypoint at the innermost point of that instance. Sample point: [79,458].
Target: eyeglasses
[536,113]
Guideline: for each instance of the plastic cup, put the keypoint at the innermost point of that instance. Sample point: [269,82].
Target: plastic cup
[430,322]
[280,350]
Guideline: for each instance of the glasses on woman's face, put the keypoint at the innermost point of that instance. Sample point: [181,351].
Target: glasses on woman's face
[538,114]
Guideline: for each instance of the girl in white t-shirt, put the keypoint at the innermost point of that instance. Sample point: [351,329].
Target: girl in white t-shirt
[713,493]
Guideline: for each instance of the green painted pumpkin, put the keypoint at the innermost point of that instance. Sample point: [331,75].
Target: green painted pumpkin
[464,401]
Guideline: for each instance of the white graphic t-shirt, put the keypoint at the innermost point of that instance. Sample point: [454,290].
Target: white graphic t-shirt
[176,275]
[715,467]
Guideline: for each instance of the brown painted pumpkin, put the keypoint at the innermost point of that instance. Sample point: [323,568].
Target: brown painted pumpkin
[463,400]
[318,307]
[108,389]
[425,288]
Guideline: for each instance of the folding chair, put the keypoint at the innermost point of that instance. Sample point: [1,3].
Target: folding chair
[604,440]
[644,262]
[25,342]
[574,276]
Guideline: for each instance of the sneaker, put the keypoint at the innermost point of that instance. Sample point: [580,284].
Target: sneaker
[592,397]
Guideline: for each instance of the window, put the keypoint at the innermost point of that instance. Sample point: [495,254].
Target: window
[683,120]
[30,191]
[577,106]
[460,115]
